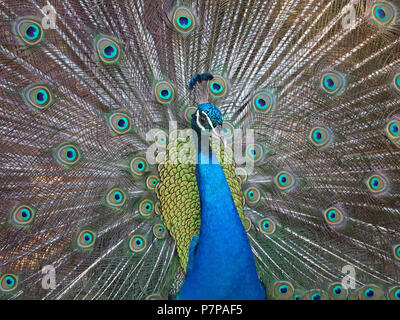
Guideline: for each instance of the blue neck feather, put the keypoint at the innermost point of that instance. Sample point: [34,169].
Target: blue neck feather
[222,265]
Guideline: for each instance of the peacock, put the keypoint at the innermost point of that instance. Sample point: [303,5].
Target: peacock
[200,149]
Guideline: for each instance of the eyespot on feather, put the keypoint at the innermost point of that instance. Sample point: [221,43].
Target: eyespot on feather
[159,231]
[164,92]
[85,239]
[336,291]
[119,122]
[217,87]
[38,97]
[383,13]
[370,292]
[115,197]
[267,226]
[284,180]
[107,49]
[28,30]
[252,196]
[138,166]
[321,137]
[334,216]
[22,215]
[137,243]
[8,282]
[283,290]
[146,208]
[67,154]
[183,20]
[333,83]
[263,102]
[377,184]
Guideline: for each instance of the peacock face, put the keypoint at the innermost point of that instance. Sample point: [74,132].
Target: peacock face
[206,118]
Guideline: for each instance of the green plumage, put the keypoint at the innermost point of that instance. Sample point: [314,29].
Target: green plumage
[317,81]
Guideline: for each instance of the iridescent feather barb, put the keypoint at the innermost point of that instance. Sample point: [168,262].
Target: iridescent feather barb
[317,80]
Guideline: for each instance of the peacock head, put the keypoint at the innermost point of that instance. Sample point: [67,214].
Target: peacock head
[206,119]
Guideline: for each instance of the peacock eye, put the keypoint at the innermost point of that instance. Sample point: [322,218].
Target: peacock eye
[119,122]
[393,129]
[396,81]
[263,102]
[283,290]
[396,251]
[151,182]
[183,20]
[85,239]
[337,292]
[146,208]
[333,216]
[190,113]
[38,97]
[227,130]
[138,166]
[252,195]
[203,120]
[333,83]
[377,184]
[370,292]
[22,215]
[217,87]
[28,30]
[383,13]
[394,293]
[316,296]
[254,152]
[137,243]
[8,282]
[320,137]
[267,226]
[115,197]
[107,49]
[247,224]
[164,92]
[284,180]
[242,174]
[159,231]
[67,154]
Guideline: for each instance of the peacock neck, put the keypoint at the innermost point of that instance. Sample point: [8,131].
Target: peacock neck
[218,209]
[224,266]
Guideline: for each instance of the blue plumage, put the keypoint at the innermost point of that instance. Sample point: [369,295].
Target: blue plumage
[221,264]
